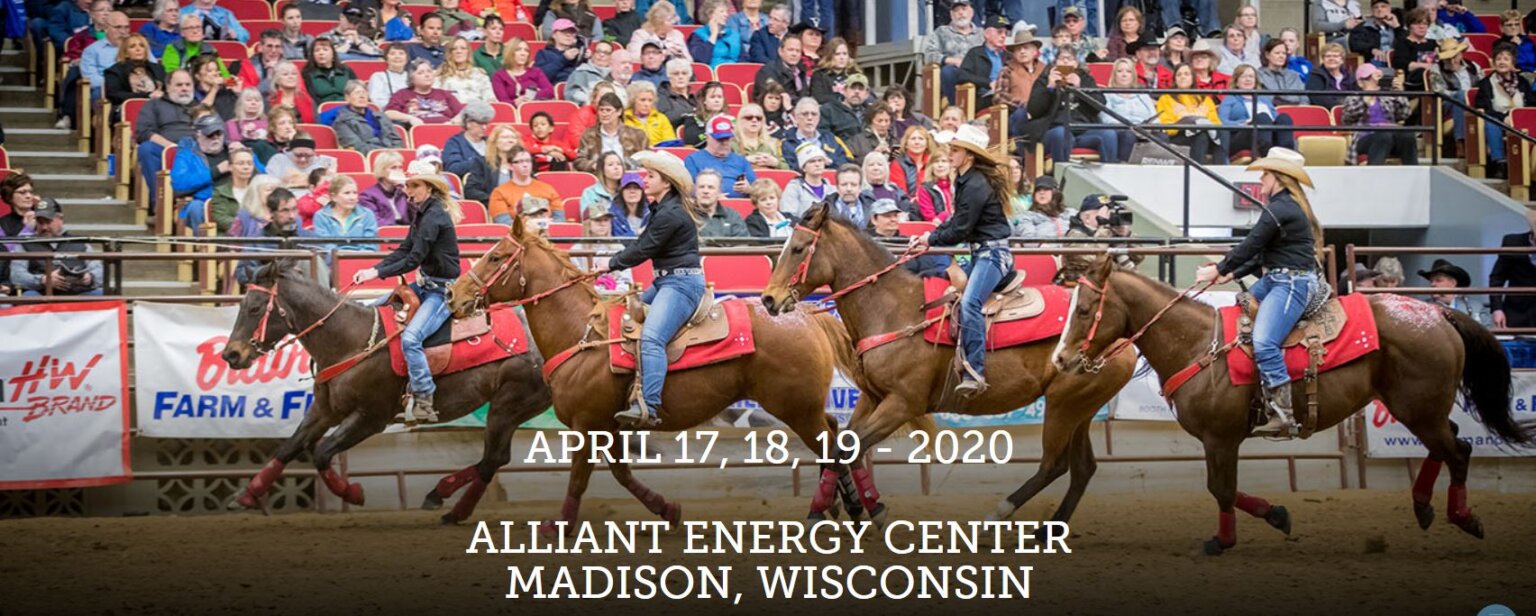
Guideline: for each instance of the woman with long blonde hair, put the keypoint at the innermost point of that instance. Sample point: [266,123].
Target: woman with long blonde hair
[659,29]
[461,77]
[914,153]
[753,141]
[519,80]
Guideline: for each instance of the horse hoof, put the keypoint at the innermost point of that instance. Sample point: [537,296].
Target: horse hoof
[1279,518]
[1213,547]
[548,529]
[1425,513]
[448,519]
[432,502]
[815,516]
[1471,525]
[834,510]
[243,501]
[878,515]
[673,514]
[354,495]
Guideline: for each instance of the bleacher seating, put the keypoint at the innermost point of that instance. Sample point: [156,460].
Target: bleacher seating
[347,161]
[568,183]
[324,136]
[737,273]
[742,206]
[560,111]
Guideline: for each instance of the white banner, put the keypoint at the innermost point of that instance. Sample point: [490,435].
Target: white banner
[185,390]
[1142,398]
[1386,438]
[64,395]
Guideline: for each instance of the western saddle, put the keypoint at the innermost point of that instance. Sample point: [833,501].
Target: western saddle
[1012,302]
[438,346]
[1316,328]
[707,324]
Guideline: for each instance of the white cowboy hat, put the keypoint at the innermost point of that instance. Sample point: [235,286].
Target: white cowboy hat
[1284,161]
[669,166]
[968,136]
[423,171]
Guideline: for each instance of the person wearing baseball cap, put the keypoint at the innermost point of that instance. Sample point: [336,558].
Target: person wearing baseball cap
[984,63]
[1084,30]
[982,206]
[735,170]
[671,243]
[430,248]
[63,276]
[563,55]
[844,115]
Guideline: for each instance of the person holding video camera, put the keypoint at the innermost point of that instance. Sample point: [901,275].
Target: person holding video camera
[1104,216]
[68,275]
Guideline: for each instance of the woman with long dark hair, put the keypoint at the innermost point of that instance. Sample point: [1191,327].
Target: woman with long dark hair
[982,206]
[324,75]
[707,103]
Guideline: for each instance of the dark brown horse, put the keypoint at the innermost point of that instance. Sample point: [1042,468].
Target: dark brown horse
[909,377]
[789,374]
[363,400]
[1427,354]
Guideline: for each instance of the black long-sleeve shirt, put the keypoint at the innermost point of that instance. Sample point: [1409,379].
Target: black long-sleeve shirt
[978,213]
[670,241]
[431,245]
[1282,238]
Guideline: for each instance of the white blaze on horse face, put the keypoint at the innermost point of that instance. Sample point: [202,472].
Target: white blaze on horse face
[1061,342]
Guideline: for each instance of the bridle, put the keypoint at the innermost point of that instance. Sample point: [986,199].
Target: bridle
[483,286]
[1096,364]
[802,272]
[259,335]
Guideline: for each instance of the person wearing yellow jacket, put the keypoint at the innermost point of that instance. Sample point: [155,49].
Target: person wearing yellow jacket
[642,114]
[1192,109]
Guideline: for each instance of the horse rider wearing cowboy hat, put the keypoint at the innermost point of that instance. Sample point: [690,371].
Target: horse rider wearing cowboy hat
[1284,244]
[671,243]
[432,246]
[982,206]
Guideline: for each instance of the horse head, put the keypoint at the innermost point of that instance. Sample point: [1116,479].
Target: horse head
[1095,320]
[264,318]
[796,272]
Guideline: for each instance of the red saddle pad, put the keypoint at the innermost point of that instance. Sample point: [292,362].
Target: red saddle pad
[470,352]
[1356,340]
[737,343]
[1049,323]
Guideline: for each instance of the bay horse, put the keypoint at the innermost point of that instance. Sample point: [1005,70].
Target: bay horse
[908,377]
[363,400]
[789,373]
[1426,355]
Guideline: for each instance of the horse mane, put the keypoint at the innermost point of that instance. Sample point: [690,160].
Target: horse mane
[568,270]
[867,243]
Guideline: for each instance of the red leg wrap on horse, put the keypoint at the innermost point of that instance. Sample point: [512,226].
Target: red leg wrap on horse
[457,481]
[1424,486]
[466,505]
[653,502]
[865,482]
[1252,505]
[351,493]
[826,491]
[1456,509]
[265,478]
[1226,529]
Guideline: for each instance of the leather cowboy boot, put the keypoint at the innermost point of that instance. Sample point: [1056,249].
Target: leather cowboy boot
[971,383]
[638,415]
[418,409]
[1277,400]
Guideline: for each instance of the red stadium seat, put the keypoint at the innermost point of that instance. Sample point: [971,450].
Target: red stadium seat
[687,31]
[474,213]
[394,231]
[249,10]
[738,73]
[491,231]
[734,96]
[605,12]
[418,10]
[779,176]
[315,27]
[565,230]
[364,180]
[404,136]
[572,208]
[1480,59]
[1492,23]
[1101,72]
[742,206]
[568,183]
[504,112]
[520,29]
[916,227]
[535,46]
[231,51]
[1308,115]
[560,111]
[347,161]
[406,157]
[366,68]
[738,273]
[702,72]
[560,91]
[1482,42]
[324,136]
[257,26]
[1036,269]
[435,134]
[5,159]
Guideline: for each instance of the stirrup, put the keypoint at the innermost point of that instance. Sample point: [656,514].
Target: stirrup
[970,387]
[638,416]
[418,409]
[1277,404]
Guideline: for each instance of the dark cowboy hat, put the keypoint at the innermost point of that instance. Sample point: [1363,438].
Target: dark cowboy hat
[1441,266]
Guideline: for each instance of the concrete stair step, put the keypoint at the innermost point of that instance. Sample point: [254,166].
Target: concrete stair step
[50,162]
[22,96]
[11,74]
[107,210]
[106,229]
[47,139]
[74,185]
[150,270]
[25,117]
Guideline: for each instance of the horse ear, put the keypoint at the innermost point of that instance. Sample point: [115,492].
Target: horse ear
[517,227]
[1103,267]
[816,215]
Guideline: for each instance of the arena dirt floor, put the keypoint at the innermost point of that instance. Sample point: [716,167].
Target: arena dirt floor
[1351,552]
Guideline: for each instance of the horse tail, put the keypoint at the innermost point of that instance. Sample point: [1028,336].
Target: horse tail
[846,356]
[1486,380]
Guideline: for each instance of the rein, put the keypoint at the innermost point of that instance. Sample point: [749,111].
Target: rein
[1096,364]
[483,287]
[259,335]
[829,302]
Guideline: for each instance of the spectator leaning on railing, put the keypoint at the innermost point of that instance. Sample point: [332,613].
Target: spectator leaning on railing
[69,275]
[1515,270]
[1446,275]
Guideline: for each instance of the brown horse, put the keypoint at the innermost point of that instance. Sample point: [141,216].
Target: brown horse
[789,374]
[364,399]
[1427,354]
[909,377]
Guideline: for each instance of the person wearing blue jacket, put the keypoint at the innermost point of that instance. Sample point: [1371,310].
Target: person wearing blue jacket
[219,22]
[342,217]
[67,17]
[560,59]
[763,47]
[1237,110]
[202,161]
[715,43]
[1456,15]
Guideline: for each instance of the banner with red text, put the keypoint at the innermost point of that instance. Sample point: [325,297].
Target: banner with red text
[63,395]
[1385,437]
[185,390]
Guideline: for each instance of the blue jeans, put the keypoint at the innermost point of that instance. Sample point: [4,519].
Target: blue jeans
[673,299]
[1059,143]
[988,266]
[1205,11]
[430,316]
[1283,297]
[949,77]
[149,164]
[1495,138]
[193,214]
[31,293]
